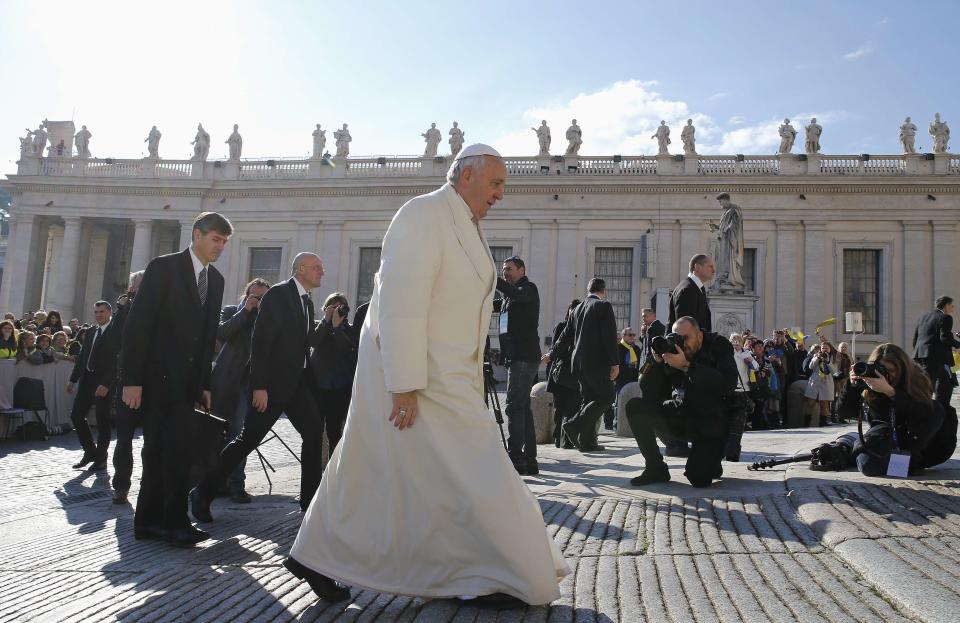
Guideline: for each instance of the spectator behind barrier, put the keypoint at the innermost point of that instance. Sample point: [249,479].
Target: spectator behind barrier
[26,343]
[54,322]
[8,340]
[43,352]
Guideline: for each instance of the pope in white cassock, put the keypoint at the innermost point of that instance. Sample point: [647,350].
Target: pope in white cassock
[419,498]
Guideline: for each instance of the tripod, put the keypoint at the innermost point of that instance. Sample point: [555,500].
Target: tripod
[490,397]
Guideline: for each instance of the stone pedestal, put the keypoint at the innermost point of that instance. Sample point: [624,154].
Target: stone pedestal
[541,404]
[732,312]
[30,165]
[231,170]
[791,165]
[544,161]
[941,164]
[691,164]
[571,162]
[627,392]
[667,165]
[813,164]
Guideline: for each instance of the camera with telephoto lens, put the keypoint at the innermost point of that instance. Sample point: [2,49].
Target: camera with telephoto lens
[869,369]
[669,343]
[343,310]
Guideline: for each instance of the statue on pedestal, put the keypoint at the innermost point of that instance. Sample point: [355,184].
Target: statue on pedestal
[236,144]
[688,139]
[814,130]
[908,133]
[343,139]
[40,139]
[729,246]
[456,139]
[26,144]
[319,142]
[82,140]
[575,138]
[663,139]
[153,142]
[940,132]
[543,136]
[787,136]
[201,144]
[433,138]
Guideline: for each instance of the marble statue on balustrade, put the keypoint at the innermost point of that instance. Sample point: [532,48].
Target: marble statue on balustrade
[787,136]
[201,144]
[343,138]
[688,138]
[40,139]
[456,139]
[432,138]
[319,142]
[543,136]
[153,142]
[940,132]
[235,142]
[728,246]
[574,139]
[26,144]
[814,130]
[82,141]
[908,134]
[663,139]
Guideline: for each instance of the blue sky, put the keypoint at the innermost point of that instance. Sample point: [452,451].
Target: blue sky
[391,69]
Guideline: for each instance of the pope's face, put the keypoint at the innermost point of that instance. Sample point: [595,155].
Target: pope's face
[482,188]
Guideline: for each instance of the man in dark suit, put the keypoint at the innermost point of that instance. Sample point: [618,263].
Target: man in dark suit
[168,344]
[95,371]
[230,371]
[651,328]
[595,361]
[126,419]
[628,354]
[282,381]
[933,344]
[689,298]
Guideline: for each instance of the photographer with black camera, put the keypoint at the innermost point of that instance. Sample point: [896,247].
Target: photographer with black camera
[334,361]
[908,430]
[687,396]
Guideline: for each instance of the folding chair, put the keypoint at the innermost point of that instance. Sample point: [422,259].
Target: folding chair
[28,396]
[264,463]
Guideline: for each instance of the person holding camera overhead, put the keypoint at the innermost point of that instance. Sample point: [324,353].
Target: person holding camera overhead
[334,362]
[686,396]
[281,381]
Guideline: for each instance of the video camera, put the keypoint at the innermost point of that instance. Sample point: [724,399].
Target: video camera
[669,343]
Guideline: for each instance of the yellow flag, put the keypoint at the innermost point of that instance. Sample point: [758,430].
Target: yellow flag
[825,323]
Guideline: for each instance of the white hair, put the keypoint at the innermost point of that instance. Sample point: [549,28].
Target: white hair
[457,168]
[133,278]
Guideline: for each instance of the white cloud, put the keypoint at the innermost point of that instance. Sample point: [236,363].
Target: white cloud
[802,67]
[736,120]
[864,50]
[718,96]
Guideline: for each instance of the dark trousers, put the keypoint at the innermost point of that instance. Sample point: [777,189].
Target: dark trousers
[81,408]
[237,478]
[126,423]
[304,414]
[522,440]
[566,403]
[942,382]
[648,419]
[596,396]
[168,433]
[334,404]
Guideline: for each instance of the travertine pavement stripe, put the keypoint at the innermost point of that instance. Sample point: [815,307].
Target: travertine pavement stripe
[38,591]
[905,509]
[849,515]
[768,599]
[81,595]
[256,588]
[285,590]
[883,510]
[926,506]
[562,609]
[691,525]
[606,588]
[135,591]
[697,595]
[864,602]
[597,527]
[823,597]
[719,599]
[728,532]
[739,591]
[905,549]
[377,606]
[937,549]
[744,527]
[628,590]
[616,529]
[707,524]
[676,602]
[793,532]
[678,529]
[651,591]
[566,530]
[584,596]
[756,510]
[787,592]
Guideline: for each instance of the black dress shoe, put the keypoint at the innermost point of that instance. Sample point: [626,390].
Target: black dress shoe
[200,506]
[494,601]
[240,497]
[99,465]
[532,468]
[152,533]
[325,588]
[185,537]
[651,475]
[593,448]
[86,460]
[120,496]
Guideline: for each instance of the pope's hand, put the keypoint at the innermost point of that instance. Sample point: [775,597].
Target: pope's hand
[132,395]
[260,400]
[404,410]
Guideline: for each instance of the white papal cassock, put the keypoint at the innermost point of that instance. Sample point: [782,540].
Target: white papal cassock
[435,510]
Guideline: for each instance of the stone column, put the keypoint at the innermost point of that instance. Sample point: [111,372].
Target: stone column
[13,290]
[918,276]
[186,233]
[65,289]
[539,269]
[946,279]
[787,270]
[142,244]
[815,280]
[566,282]
[331,237]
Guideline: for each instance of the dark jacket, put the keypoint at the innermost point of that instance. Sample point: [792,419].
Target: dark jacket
[521,303]
[104,363]
[168,338]
[594,329]
[230,371]
[561,352]
[689,300]
[655,329]
[334,357]
[933,339]
[628,373]
[280,342]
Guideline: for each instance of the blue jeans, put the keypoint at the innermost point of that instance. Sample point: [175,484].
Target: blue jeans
[522,440]
[236,479]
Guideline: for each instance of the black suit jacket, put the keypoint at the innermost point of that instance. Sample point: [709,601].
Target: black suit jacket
[168,338]
[689,300]
[280,343]
[627,373]
[933,339]
[594,329]
[521,302]
[334,350]
[104,364]
[230,369]
[655,329]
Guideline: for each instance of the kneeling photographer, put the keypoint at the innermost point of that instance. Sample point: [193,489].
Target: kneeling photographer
[686,396]
[894,395]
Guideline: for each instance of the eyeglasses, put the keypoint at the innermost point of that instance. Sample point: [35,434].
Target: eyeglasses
[630,335]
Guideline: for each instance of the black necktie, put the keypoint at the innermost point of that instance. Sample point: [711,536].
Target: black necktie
[704,290]
[93,347]
[202,285]
[308,310]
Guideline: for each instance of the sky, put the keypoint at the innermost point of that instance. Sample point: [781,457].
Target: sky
[390,69]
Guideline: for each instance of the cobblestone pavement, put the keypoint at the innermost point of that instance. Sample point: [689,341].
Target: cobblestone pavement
[781,545]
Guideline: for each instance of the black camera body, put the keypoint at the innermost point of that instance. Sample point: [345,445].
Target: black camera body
[669,343]
[343,310]
[869,369]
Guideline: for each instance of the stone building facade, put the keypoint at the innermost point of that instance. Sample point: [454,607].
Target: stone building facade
[824,234]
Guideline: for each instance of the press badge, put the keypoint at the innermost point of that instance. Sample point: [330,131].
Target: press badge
[503,322]
[899,466]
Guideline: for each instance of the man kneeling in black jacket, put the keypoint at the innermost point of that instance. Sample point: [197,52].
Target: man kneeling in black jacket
[685,398]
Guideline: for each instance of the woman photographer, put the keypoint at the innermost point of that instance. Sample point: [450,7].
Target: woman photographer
[822,364]
[334,361]
[895,397]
